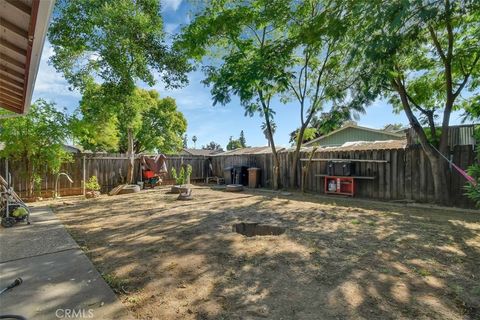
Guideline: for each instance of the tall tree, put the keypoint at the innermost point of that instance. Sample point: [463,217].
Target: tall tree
[117,42]
[324,123]
[185,141]
[320,72]
[243,141]
[237,42]
[194,139]
[159,126]
[37,141]
[212,146]
[234,144]
[156,125]
[273,127]
[423,56]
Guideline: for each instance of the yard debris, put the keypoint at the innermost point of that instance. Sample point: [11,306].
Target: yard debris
[124,189]
[116,190]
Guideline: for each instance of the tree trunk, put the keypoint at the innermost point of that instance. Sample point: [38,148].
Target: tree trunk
[438,164]
[131,156]
[276,160]
[296,155]
[439,171]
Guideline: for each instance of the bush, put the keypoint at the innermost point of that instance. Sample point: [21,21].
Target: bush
[183,176]
[92,184]
[473,190]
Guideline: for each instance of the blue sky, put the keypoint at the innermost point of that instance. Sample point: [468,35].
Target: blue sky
[205,121]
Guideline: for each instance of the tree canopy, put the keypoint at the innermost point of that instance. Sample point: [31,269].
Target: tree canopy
[239,45]
[212,146]
[36,140]
[422,56]
[100,124]
[114,41]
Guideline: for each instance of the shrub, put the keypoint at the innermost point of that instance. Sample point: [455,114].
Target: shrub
[182,176]
[473,190]
[92,184]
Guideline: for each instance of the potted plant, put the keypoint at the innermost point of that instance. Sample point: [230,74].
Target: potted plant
[182,178]
[93,188]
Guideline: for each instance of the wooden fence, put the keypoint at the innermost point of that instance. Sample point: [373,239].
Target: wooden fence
[403,174]
[110,170]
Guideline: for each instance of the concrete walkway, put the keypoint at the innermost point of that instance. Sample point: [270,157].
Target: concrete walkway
[58,279]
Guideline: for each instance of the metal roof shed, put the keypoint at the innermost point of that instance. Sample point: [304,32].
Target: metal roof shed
[23,27]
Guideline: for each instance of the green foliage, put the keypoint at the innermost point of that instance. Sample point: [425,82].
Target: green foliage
[117,41]
[323,124]
[238,44]
[212,146]
[243,141]
[427,52]
[321,72]
[92,184]
[183,176]
[234,144]
[162,126]
[36,140]
[194,139]
[473,191]
[101,123]
[264,128]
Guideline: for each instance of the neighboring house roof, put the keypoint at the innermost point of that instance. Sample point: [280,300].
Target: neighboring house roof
[23,27]
[249,150]
[364,146]
[359,134]
[66,147]
[200,152]
[72,149]
[463,135]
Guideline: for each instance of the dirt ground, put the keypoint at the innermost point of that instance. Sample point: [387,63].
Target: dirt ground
[338,259]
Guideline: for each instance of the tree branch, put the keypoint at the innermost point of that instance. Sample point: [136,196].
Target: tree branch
[466,77]
[437,44]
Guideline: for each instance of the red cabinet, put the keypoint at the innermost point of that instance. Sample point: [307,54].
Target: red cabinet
[340,185]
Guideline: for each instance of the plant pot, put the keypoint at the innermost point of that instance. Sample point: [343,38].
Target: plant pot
[92,194]
[178,189]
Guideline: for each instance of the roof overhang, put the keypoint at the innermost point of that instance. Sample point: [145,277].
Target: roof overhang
[23,28]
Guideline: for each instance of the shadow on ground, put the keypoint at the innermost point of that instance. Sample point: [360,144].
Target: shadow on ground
[338,259]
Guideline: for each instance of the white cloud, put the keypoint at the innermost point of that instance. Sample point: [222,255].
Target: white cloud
[49,82]
[171,4]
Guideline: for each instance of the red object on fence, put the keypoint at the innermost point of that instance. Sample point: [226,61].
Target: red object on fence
[344,185]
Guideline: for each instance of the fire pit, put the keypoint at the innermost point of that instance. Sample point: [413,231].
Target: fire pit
[257,229]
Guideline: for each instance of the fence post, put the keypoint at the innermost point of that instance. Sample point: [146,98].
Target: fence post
[83,173]
[6,172]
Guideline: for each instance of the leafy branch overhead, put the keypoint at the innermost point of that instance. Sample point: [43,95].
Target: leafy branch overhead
[113,41]
[101,123]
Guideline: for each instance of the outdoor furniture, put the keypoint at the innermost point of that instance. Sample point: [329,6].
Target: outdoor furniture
[217,180]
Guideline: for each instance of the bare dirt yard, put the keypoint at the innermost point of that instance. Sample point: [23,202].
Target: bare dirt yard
[338,258]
